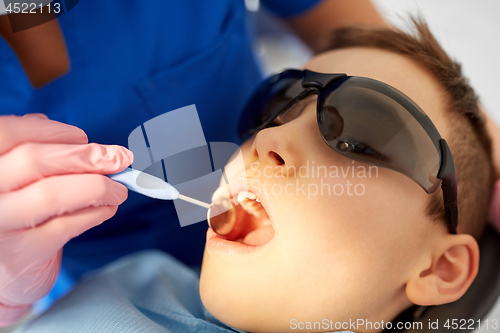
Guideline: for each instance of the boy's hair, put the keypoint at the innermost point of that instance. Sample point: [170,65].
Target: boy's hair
[469,142]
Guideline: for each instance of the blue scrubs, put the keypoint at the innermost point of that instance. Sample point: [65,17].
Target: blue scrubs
[131,61]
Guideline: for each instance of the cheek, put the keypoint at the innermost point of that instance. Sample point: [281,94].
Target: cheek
[336,236]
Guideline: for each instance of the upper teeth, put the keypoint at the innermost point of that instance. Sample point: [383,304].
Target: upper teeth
[247,195]
[251,204]
[242,196]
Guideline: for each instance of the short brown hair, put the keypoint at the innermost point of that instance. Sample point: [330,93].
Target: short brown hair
[469,142]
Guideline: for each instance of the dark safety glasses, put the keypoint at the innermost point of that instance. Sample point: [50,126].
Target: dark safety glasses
[363,119]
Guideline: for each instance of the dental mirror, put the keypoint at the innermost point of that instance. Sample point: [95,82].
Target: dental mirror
[221,216]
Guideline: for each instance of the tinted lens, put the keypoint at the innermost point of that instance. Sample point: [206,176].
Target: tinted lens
[365,120]
[268,100]
[278,102]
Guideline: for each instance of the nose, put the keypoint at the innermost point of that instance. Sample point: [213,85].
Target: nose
[280,146]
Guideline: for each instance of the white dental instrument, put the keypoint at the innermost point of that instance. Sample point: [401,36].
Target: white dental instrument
[152,186]
[221,216]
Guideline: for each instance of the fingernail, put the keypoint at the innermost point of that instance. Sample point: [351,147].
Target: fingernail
[119,193]
[129,154]
[82,136]
[36,115]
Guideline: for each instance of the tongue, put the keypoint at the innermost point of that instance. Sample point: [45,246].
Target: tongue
[259,236]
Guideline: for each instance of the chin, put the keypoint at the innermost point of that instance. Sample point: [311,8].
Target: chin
[228,299]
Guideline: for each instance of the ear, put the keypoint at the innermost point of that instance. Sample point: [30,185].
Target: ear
[453,266]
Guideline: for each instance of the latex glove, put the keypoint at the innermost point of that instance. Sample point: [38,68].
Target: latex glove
[51,190]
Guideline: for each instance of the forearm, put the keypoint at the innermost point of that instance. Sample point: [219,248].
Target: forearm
[494,132]
[315,26]
[41,50]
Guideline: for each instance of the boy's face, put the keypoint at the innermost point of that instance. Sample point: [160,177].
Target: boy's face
[338,256]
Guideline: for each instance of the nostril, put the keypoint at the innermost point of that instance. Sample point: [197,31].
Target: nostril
[277,157]
[254,155]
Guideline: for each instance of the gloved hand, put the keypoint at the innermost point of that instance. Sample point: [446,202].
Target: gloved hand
[52,189]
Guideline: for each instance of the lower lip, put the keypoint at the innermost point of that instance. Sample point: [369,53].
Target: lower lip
[219,244]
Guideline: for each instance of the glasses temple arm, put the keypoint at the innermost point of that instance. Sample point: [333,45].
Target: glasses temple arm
[448,176]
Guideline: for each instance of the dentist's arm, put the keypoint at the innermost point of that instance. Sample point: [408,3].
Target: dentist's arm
[52,189]
[315,26]
[41,50]
[494,132]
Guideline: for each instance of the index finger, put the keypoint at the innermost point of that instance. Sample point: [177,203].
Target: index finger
[29,162]
[15,130]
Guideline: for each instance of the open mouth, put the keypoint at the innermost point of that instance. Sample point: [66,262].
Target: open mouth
[252,225]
